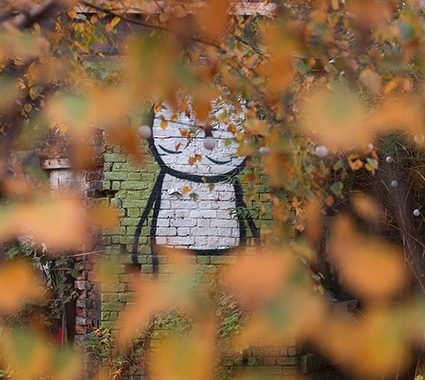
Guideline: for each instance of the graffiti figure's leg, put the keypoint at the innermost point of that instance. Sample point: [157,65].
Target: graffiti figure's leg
[240,203]
[153,201]
[251,224]
[157,207]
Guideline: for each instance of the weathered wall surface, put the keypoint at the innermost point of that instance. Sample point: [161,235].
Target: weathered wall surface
[56,160]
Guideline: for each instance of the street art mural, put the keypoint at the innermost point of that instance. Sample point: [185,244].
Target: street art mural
[196,193]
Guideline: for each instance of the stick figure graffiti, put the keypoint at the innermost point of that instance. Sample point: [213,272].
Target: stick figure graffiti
[196,192]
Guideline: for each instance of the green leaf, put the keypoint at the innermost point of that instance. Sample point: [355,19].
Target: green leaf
[337,187]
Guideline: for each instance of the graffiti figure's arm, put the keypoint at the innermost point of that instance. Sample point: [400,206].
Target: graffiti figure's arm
[153,199]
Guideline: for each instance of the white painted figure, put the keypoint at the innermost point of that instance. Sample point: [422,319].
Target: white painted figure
[196,193]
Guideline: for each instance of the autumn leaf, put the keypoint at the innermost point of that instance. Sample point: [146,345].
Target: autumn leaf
[369,267]
[354,162]
[164,124]
[366,207]
[184,132]
[192,160]
[213,18]
[19,283]
[183,357]
[115,21]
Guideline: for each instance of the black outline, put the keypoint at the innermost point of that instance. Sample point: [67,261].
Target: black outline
[154,202]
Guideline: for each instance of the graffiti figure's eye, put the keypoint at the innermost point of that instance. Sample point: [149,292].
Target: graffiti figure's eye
[168,150]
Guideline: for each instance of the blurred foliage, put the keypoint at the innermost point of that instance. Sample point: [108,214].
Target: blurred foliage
[332,95]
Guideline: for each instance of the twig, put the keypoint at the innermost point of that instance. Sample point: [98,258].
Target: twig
[85,254]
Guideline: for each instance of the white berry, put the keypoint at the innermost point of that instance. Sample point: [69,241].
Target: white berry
[389,159]
[263,150]
[209,143]
[416,212]
[145,131]
[419,139]
[321,151]
[394,183]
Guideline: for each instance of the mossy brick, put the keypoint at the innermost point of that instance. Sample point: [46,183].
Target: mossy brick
[117,231]
[115,157]
[107,325]
[134,213]
[167,268]
[114,315]
[134,176]
[132,203]
[205,268]
[203,259]
[109,297]
[122,194]
[106,185]
[116,185]
[144,249]
[130,230]
[143,240]
[121,212]
[115,239]
[105,240]
[116,176]
[223,259]
[107,166]
[134,195]
[100,201]
[125,297]
[105,316]
[132,185]
[127,258]
[129,221]
[127,240]
[146,268]
[116,202]
[287,360]
[149,177]
[130,167]
[202,278]
[117,149]
[112,306]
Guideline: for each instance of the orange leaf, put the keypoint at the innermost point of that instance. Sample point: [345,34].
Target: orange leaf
[369,267]
[18,284]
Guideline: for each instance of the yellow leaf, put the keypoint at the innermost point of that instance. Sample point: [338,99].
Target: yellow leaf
[185,189]
[164,124]
[115,21]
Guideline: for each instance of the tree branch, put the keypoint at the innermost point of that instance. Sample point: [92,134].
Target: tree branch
[123,17]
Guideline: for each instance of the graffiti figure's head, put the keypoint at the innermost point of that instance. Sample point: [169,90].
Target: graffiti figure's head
[178,144]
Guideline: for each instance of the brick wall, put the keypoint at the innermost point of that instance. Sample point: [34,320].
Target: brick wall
[194,213]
